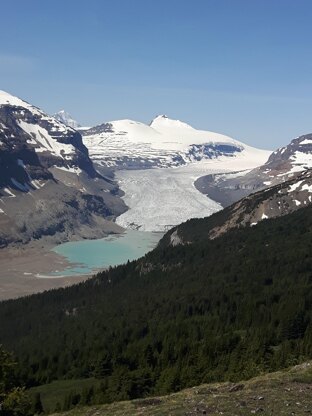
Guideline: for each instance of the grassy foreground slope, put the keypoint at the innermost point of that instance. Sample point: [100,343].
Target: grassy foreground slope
[286,392]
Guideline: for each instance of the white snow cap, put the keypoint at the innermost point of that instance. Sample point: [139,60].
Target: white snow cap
[8,99]
[163,139]
[162,133]
[166,122]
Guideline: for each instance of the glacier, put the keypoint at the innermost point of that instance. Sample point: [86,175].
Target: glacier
[160,198]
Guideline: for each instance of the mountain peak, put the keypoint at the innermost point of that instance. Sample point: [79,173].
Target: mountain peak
[163,121]
[160,116]
[65,118]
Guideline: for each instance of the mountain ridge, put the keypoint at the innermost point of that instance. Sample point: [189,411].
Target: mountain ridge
[275,201]
[40,157]
[282,164]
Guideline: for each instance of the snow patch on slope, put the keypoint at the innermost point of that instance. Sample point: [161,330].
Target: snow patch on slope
[8,99]
[301,159]
[40,137]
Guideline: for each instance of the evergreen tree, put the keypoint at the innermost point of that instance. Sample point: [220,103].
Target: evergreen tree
[37,407]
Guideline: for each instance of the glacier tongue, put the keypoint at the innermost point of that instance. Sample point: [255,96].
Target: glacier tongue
[161,198]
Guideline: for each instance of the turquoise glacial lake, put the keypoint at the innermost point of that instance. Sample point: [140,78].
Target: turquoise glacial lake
[87,256]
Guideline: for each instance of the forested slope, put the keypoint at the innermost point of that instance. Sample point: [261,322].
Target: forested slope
[222,309]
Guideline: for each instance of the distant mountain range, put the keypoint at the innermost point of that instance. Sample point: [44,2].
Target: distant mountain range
[41,156]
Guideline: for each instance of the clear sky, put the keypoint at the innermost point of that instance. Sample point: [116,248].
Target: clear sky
[240,67]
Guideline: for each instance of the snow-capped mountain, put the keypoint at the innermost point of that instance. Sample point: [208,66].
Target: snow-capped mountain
[295,157]
[31,137]
[48,184]
[160,198]
[127,144]
[276,201]
[282,165]
[66,119]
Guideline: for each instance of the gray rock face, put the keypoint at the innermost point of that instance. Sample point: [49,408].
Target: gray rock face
[56,212]
[48,184]
[32,142]
[101,128]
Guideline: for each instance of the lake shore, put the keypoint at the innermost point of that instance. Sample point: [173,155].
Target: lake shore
[25,270]
[35,267]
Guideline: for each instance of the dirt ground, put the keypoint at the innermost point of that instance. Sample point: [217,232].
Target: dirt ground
[23,271]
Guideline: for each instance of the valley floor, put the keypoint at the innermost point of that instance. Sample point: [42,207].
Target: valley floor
[158,199]
[282,393]
[22,271]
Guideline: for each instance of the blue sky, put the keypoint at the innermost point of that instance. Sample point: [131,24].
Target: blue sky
[240,67]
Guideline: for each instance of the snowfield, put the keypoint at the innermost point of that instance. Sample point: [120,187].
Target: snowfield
[128,144]
[161,198]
